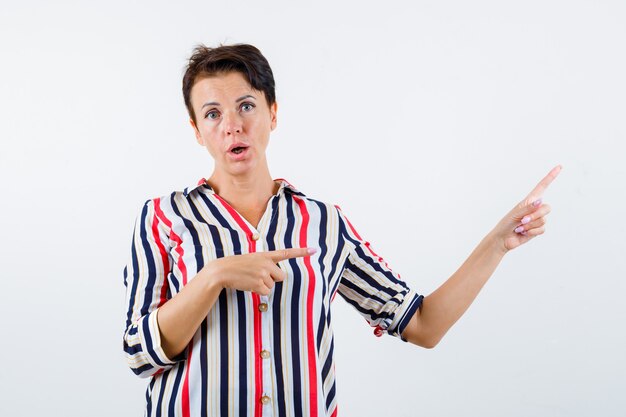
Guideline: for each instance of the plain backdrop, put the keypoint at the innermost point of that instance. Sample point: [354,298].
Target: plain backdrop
[426,121]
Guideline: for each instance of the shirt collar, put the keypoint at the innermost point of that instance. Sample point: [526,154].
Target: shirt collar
[284,185]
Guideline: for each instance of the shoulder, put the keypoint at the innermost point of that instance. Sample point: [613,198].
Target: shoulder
[180,196]
[164,201]
[322,213]
[313,204]
[168,205]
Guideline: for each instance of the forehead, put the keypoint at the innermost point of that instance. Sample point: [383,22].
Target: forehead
[224,86]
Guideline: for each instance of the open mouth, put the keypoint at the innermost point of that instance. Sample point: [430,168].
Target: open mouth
[238,150]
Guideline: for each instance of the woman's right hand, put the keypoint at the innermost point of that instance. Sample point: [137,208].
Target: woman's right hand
[256,272]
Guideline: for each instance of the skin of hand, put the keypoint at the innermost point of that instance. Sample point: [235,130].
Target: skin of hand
[180,317]
[441,309]
[528,219]
[256,272]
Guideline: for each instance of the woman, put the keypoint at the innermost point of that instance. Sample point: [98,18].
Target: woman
[230,282]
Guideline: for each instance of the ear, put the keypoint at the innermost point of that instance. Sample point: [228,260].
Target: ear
[273,110]
[197,132]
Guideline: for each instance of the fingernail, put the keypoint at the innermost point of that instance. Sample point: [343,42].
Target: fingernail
[311,251]
[537,203]
[526,219]
[519,229]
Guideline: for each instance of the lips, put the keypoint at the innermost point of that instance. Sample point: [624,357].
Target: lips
[237,148]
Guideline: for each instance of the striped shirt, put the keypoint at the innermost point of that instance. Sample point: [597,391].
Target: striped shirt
[253,355]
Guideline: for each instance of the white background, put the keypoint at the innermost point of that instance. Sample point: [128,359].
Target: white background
[425,121]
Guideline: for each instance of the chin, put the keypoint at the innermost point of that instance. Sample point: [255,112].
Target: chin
[241,168]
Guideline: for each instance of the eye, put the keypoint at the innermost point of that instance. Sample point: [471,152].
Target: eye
[247,106]
[213,114]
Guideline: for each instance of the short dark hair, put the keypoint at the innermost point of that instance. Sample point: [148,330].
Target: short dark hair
[243,58]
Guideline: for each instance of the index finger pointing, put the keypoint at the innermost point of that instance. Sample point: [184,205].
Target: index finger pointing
[543,184]
[282,254]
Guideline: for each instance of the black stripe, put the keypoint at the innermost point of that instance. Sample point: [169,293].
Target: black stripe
[364,276]
[223,338]
[372,315]
[242,357]
[361,291]
[142,369]
[149,345]
[162,391]
[149,397]
[216,213]
[131,350]
[341,242]
[331,395]
[378,266]
[213,229]
[151,278]
[135,262]
[408,314]
[234,232]
[204,369]
[329,361]
[323,230]
[171,409]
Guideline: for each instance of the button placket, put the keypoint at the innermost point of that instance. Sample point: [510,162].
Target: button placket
[264,309]
[265,353]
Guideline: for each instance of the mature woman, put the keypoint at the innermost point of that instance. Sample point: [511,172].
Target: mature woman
[230,281]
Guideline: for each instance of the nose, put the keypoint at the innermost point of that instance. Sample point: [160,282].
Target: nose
[232,124]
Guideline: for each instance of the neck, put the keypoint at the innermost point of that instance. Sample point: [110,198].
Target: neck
[244,192]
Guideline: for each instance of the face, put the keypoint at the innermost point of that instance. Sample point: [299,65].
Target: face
[233,121]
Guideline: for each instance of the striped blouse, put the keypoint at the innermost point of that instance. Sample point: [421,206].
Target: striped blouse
[253,355]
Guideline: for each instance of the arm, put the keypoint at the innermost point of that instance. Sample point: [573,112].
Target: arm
[145,278]
[441,309]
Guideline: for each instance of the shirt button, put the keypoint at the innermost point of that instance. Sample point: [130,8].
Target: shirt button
[265,354]
[263,307]
[265,399]
[255,236]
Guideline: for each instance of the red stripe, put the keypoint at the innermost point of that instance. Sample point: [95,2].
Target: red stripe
[309,308]
[185,399]
[349,224]
[183,270]
[179,242]
[334,414]
[258,345]
[164,259]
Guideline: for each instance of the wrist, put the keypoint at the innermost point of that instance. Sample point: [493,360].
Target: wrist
[212,276]
[495,243]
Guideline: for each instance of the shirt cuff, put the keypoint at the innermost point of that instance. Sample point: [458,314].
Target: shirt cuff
[151,341]
[403,314]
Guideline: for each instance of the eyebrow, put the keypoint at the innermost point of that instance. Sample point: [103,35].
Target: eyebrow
[215,103]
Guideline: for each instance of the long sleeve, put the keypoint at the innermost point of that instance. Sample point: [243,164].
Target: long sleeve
[370,286]
[145,278]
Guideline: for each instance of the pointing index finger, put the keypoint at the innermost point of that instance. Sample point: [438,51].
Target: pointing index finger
[545,182]
[282,254]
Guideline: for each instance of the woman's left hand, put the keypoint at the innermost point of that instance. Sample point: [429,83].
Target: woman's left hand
[528,218]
